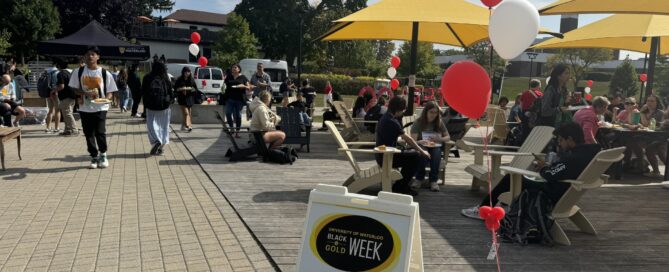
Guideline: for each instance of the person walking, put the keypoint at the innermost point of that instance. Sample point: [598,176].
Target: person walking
[235,87]
[327,93]
[310,94]
[123,91]
[186,89]
[135,85]
[52,102]
[67,100]
[157,94]
[93,82]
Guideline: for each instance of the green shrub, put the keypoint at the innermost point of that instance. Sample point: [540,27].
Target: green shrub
[598,76]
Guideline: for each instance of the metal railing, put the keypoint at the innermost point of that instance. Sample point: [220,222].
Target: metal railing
[164,33]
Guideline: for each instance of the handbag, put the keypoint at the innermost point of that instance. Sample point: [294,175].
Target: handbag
[199,97]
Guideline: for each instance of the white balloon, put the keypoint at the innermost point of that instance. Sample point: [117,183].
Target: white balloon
[514,26]
[587,90]
[548,79]
[194,49]
[391,72]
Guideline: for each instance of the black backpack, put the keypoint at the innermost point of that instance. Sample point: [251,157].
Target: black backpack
[45,83]
[158,95]
[528,220]
[283,155]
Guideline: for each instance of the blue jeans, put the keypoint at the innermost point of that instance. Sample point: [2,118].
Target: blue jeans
[233,112]
[124,98]
[434,161]
[305,119]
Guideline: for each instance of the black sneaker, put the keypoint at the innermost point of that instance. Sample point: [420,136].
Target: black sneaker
[404,189]
[154,149]
[159,151]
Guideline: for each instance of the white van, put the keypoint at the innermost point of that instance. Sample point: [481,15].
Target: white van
[276,69]
[212,75]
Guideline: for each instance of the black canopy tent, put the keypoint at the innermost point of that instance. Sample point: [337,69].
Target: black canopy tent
[111,48]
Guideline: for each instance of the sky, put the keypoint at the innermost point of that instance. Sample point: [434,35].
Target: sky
[549,22]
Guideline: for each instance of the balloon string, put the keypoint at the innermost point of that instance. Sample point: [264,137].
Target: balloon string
[489,167]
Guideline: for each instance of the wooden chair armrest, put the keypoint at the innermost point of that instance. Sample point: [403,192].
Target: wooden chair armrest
[507,153]
[367,151]
[361,143]
[513,170]
[480,146]
[572,181]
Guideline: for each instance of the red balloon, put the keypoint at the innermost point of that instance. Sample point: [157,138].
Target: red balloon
[484,211]
[498,213]
[590,82]
[491,224]
[588,97]
[491,3]
[204,83]
[394,84]
[466,87]
[643,77]
[195,37]
[203,61]
[395,61]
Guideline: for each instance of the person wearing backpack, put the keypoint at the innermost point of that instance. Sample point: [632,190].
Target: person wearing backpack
[67,99]
[574,157]
[92,82]
[157,94]
[52,102]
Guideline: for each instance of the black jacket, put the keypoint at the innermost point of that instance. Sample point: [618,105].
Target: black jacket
[569,166]
[134,82]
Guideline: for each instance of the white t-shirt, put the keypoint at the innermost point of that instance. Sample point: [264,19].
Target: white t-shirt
[7,92]
[93,79]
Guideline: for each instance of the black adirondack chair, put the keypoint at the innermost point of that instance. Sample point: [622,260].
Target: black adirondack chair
[290,124]
[237,152]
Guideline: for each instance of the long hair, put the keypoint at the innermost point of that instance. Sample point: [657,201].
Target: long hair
[123,74]
[555,75]
[660,106]
[158,69]
[423,121]
[183,77]
[359,104]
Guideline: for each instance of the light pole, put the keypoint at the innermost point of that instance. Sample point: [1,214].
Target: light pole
[299,54]
[531,56]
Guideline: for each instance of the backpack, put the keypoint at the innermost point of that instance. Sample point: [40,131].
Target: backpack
[45,83]
[283,155]
[528,220]
[158,95]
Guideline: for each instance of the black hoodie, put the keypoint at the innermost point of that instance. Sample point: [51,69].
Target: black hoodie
[569,166]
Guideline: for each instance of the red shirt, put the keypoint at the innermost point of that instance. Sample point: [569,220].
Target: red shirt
[526,99]
[328,89]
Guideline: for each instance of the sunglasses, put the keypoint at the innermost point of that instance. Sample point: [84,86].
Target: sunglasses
[630,103]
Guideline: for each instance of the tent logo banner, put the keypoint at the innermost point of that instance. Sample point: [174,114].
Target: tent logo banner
[355,243]
[121,49]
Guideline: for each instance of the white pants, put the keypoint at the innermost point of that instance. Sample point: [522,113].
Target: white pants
[158,126]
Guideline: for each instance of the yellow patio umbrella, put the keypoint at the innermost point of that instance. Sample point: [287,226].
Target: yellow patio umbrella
[606,6]
[622,31]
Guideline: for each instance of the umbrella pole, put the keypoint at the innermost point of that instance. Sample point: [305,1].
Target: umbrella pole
[412,69]
[645,63]
[654,45]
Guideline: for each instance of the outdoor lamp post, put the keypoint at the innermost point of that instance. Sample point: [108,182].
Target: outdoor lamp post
[299,54]
[531,56]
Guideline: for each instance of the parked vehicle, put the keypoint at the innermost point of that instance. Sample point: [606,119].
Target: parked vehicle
[208,79]
[276,69]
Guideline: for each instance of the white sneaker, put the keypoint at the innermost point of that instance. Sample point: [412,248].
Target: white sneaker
[434,187]
[183,128]
[103,162]
[472,212]
[94,163]
[47,131]
[16,124]
[138,115]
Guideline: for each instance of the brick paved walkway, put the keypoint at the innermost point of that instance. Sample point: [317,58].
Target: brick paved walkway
[142,213]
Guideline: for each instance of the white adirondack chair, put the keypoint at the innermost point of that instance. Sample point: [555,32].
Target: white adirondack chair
[535,143]
[362,177]
[352,131]
[592,177]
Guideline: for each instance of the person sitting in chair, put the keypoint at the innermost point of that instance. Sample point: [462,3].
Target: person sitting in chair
[575,157]
[264,120]
[299,103]
[388,130]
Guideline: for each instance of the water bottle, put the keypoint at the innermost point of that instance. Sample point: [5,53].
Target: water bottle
[653,124]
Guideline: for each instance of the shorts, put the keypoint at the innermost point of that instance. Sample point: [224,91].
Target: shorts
[50,103]
[13,106]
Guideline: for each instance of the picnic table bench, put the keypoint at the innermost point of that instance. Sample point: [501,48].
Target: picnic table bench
[6,134]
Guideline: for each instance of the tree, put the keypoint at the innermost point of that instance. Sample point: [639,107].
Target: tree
[118,16]
[661,83]
[480,53]
[355,5]
[236,42]
[276,24]
[4,41]
[625,78]
[425,61]
[580,60]
[28,22]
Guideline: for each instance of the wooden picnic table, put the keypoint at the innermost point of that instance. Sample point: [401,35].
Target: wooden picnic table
[625,133]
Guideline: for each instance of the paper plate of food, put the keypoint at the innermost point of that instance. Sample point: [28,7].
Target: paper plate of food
[383,148]
[101,101]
